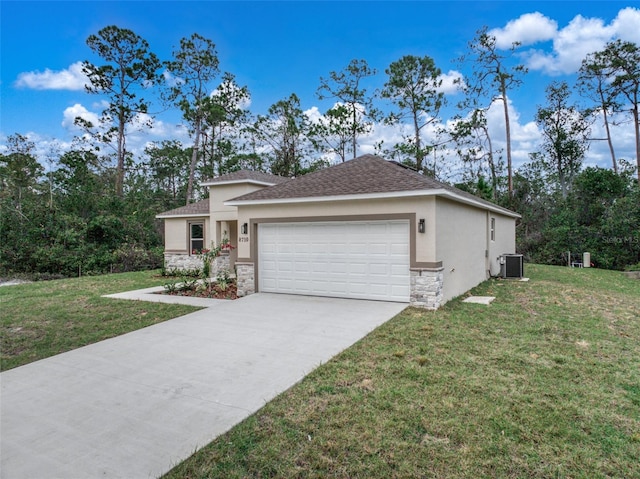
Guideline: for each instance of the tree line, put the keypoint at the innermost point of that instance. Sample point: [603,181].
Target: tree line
[94,209]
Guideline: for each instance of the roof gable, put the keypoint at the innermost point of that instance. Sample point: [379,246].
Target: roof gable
[364,175]
[246,176]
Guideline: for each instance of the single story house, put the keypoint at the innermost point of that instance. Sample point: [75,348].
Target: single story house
[366,228]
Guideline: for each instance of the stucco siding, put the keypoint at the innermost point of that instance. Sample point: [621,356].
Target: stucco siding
[177,233]
[504,243]
[461,241]
[218,194]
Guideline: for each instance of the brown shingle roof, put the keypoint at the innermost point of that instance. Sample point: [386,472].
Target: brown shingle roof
[247,175]
[199,208]
[363,175]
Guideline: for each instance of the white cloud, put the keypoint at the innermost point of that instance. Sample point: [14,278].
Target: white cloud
[314,114]
[171,80]
[71,113]
[524,137]
[622,134]
[627,25]
[528,29]
[70,79]
[572,44]
[452,82]
[581,37]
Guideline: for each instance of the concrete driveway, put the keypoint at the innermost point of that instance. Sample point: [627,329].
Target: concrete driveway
[135,405]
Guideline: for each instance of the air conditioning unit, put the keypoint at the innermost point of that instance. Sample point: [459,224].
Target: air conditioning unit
[512,266]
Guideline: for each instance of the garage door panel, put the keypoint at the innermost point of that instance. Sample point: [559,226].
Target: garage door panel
[366,260]
[397,270]
[319,248]
[399,249]
[302,248]
[359,268]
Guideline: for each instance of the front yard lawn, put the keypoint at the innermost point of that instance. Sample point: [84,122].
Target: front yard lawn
[45,318]
[544,382]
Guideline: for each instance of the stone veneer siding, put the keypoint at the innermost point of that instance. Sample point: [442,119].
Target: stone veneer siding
[186,262]
[426,288]
[245,279]
[220,263]
[181,261]
[426,285]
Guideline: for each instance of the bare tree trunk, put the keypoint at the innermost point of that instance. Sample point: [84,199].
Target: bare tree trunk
[507,127]
[418,145]
[492,165]
[121,155]
[194,161]
[637,128]
[606,127]
[354,140]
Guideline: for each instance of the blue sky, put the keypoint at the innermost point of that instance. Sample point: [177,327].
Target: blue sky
[279,48]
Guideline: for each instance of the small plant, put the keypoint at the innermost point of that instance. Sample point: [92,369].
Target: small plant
[188,284]
[171,287]
[203,285]
[223,279]
[208,255]
[633,267]
[177,273]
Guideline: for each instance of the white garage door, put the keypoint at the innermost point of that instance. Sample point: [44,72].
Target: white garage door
[354,259]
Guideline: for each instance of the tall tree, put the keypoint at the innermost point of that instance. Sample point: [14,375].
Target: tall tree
[347,88]
[475,148]
[413,87]
[225,112]
[131,67]
[565,133]
[493,78]
[284,133]
[329,133]
[79,186]
[194,66]
[622,61]
[19,169]
[593,82]
[168,167]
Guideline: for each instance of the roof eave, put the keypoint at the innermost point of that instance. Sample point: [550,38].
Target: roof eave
[184,215]
[235,182]
[479,204]
[368,196]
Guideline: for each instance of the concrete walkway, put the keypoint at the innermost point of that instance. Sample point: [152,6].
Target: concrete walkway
[134,406]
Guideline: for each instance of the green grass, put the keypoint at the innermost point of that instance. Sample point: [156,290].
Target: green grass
[543,383]
[45,318]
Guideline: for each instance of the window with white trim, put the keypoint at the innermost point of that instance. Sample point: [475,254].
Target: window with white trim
[493,229]
[196,237]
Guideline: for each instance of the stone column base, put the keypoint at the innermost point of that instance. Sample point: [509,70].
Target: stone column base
[220,263]
[426,288]
[245,279]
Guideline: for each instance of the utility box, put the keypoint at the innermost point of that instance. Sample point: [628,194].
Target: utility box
[586,260]
[512,266]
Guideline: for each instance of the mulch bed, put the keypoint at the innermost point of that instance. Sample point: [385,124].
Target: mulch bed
[213,292]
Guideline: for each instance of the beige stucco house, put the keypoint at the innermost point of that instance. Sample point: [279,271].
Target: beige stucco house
[366,228]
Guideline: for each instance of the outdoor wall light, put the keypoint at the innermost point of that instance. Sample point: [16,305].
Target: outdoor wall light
[421,226]
[244,229]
